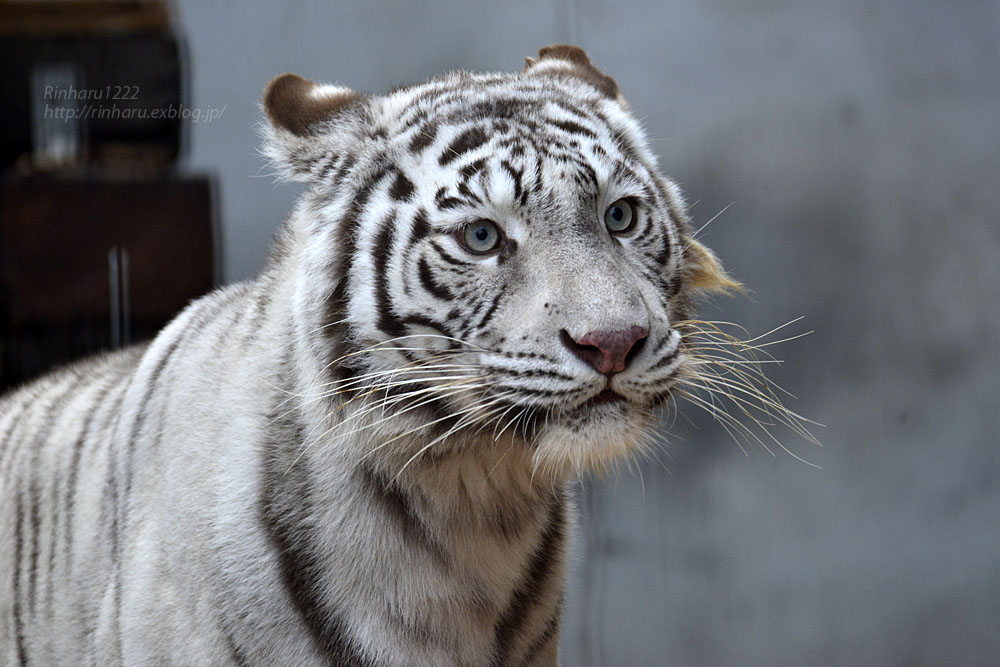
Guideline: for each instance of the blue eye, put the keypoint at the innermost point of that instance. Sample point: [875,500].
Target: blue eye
[480,237]
[619,217]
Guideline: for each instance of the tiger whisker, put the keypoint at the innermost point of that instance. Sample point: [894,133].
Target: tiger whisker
[714,217]
[385,346]
[767,401]
[458,380]
[340,386]
[496,436]
[780,413]
[357,416]
[717,325]
[715,336]
[464,412]
[727,421]
[370,389]
[795,427]
[510,423]
[438,396]
[448,389]
[426,446]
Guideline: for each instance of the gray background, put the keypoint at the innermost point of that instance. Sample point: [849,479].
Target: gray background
[858,142]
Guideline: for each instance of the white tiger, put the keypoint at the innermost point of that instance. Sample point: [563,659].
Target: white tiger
[360,457]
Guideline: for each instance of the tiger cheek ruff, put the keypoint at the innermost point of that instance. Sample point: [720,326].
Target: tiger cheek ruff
[360,457]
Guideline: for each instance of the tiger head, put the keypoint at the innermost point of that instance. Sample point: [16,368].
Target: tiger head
[496,253]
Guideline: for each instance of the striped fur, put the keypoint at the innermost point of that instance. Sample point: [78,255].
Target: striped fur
[359,458]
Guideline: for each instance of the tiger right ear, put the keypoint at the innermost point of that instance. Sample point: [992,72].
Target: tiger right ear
[310,125]
[569,60]
[300,106]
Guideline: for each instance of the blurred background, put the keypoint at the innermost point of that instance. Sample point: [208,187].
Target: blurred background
[855,148]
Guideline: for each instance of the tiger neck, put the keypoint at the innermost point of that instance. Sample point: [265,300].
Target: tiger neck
[470,530]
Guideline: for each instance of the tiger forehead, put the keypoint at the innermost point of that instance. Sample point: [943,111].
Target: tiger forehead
[500,103]
[473,142]
[494,95]
[465,139]
[513,134]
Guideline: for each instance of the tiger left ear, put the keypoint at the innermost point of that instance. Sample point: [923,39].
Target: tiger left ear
[569,60]
[704,272]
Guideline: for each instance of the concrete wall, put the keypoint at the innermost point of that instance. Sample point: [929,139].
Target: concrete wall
[859,145]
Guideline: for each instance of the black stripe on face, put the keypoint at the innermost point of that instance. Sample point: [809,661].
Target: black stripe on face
[662,256]
[326,166]
[469,140]
[469,195]
[387,320]
[347,239]
[488,315]
[537,581]
[664,361]
[430,283]
[447,257]
[508,107]
[342,365]
[473,168]
[586,170]
[425,137]
[402,188]
[573,128]
[516,175]
[445,202]
[570,108]
[539,177]
[285,510]
[623,141]
[423,321]
[343,167]
[420,228]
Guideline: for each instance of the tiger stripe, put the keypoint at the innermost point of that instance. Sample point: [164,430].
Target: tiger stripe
[536,581]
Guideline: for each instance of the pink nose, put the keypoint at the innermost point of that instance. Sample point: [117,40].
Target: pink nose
[607,351]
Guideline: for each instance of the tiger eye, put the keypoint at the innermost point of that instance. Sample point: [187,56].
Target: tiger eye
[481,237]
[619,217]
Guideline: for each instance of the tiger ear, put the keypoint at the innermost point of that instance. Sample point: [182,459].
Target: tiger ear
[301,106]
[704,273]
[309,125]
[569,60]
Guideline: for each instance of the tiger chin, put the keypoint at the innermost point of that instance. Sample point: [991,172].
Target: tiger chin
[361,456]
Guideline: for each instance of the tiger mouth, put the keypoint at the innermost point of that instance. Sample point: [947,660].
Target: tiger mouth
[606,396]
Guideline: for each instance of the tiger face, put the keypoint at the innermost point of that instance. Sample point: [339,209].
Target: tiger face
[494,253]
